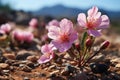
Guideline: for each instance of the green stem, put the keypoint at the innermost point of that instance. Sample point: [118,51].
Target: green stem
[91,57]
[83,58]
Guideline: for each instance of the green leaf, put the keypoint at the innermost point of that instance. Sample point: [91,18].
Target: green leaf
[84,37]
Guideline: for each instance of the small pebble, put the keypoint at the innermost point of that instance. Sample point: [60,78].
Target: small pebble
[98,58]
[4,66]
[54,72]
[24,61]
[51,67]
[58,60]
[26,69]
[73,63]
[10,56]
[32,58]
[10,62]
[99,68]
[22,65]
[26,78]
[42,75]
[115,76]
[69,68]
[2,59]
[117,65]
[67,56]
[80,76]
[37,64]
[31,65]
[4,78]
[52,75]
[65,73]
[16,64]
[6,71]
[116,60]
[8,49]
[22,56]
[11,68]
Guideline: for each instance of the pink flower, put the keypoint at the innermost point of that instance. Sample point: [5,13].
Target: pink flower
[28,36]
[47,51]
[94,22]
[33,23]
[52,23]
[18,35]
[6,28]
[63,36]
[22,36]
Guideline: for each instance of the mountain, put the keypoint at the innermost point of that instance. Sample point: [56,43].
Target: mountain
[63,11]
[59,10]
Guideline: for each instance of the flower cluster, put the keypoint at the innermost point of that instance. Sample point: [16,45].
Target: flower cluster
[22,36]
[16,36]
[5,28]
[63,35]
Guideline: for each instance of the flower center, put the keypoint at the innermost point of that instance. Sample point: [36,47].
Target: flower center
[90,25]
[64,37]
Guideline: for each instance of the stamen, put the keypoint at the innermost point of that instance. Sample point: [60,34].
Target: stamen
[64,37]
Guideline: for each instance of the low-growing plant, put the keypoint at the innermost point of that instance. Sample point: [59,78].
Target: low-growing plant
[63,37]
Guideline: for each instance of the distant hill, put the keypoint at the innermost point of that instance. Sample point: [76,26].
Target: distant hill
[59,11]
[63,11]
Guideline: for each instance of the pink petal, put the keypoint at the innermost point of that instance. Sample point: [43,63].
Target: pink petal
[52,47]
[73,37]
[62,47]
[92,11]
[98,15]
[82,19]
[96,19]
[53,32]
[53,23]
[44,58]
[105,22]
[94,33]
[65,46]
[47,48]
[66,26]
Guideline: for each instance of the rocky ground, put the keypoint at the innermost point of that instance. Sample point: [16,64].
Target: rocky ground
[21,64]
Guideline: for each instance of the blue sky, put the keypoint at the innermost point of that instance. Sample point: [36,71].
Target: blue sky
[32,5]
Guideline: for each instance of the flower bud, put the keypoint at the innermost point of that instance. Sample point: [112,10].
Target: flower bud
[33,23]
[28,37]
[53,23]
[23,36]
[104,45]
[88,42]
[6,28]
[77,45]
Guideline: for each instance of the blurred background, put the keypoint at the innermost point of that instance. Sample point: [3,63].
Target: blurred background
[21,11]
